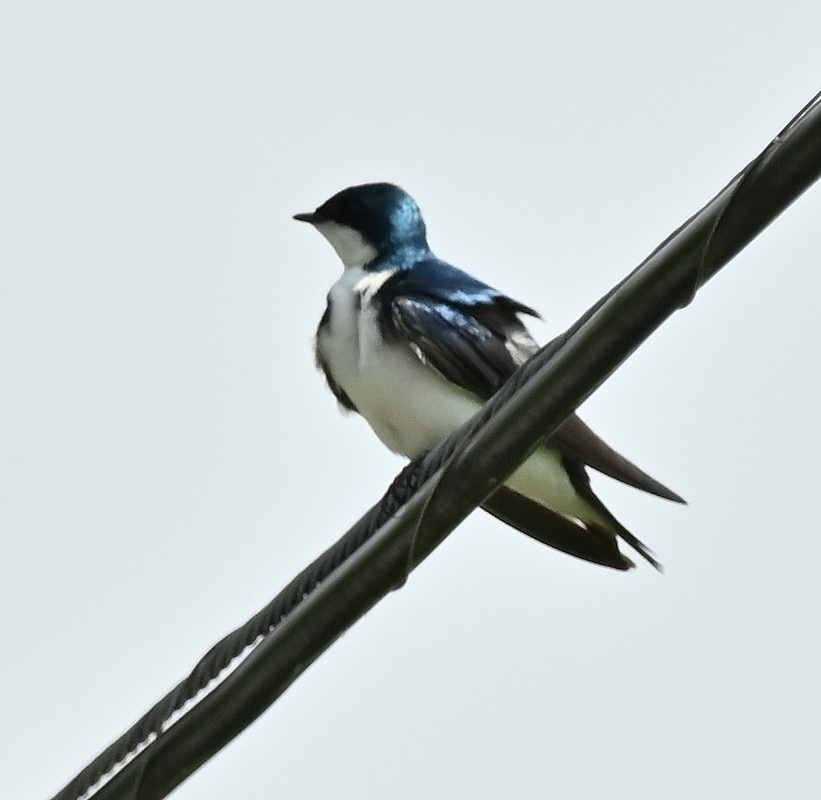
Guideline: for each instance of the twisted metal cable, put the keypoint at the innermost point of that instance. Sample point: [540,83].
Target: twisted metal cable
[232,646]
[707,241]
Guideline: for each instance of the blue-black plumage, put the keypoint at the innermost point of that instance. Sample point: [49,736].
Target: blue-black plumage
[415,346]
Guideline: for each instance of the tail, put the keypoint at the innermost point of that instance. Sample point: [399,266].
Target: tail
[591,543]
[581,483]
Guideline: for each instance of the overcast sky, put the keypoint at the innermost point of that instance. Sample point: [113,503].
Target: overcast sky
[170,458]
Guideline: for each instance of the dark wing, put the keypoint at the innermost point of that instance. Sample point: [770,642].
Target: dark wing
[577,441]
[467,330]
[478,343]
[438,280]
[472,347]
[478,348]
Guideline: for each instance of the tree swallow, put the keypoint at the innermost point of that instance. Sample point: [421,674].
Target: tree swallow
[416,346]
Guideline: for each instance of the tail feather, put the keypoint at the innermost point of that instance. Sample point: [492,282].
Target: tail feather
[581,483]
[591,543]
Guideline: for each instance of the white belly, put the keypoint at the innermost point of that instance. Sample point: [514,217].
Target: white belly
[409,405]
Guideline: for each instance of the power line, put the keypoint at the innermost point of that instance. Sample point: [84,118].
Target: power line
[246,671]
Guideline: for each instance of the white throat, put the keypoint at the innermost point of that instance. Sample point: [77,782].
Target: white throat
[351,247]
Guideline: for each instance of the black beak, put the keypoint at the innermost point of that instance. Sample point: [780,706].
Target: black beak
[308,216]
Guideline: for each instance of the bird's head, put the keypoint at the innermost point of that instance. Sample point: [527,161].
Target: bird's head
[368,221]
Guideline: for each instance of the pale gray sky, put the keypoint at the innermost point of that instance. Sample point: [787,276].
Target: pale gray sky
[169,457]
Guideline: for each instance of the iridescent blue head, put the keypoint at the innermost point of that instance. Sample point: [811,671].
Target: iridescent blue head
[374,220]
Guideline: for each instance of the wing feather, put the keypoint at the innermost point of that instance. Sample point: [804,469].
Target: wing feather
[477,349]
[577,441]
[476,340]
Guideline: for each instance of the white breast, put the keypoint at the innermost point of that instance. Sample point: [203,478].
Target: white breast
[409,405]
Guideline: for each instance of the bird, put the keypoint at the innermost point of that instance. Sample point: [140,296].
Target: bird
[416,346]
